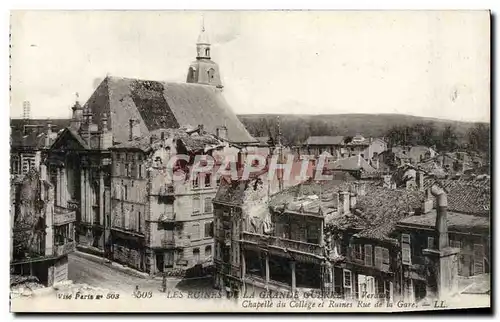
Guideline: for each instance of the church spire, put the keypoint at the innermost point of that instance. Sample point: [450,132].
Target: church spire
[204,70]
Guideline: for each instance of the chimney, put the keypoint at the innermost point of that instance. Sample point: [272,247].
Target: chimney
[130,130]
[200,129]
[162,136]
[420,180]
[106,137]
[442,262]
[343,202]
[377,164]
[49,134]
[221,132]
[359,160]
[353,199]
[428,202]
[26,110]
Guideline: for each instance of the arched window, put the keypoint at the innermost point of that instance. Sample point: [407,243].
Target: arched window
[211,74]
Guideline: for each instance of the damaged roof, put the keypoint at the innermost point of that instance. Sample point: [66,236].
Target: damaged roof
[469,196]
[352,164]
[456,221]
[157,105]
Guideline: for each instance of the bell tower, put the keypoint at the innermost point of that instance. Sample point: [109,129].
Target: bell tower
[203,70]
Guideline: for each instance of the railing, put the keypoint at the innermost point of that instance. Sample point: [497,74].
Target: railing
[60,250]
[273,241]
[168,243]
[166,190]
[63,216]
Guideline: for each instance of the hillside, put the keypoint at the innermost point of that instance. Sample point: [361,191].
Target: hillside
[297,128]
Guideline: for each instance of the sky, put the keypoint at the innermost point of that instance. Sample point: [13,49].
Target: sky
[433,64]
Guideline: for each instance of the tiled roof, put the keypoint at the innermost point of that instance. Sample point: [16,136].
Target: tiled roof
[324,140]
[456,221]
[382,208]
[31,133]
[467,196]
[163,105]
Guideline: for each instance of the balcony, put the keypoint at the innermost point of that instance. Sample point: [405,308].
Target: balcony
[167,190]
[293,245]
[168,243]
[64,249]
[63,216]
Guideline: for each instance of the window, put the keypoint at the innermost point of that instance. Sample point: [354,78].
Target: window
[209,227]
[196,232]
[368,255]
[196,181]
[196,205]
[126,193]
[430,243]
[347,283]
[357,252]
[139,222]
[208,251]
[455,244]
[196,255]
[208,205]
[217,181]
[385,257]
[478,259]
[208,180]
[406,249]
[207,52]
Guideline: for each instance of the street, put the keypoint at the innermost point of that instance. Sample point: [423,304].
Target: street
[85,271]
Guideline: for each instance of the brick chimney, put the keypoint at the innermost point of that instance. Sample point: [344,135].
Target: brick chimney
[221,132]
[420,180]
[344,204]
[442,262]
[49,134]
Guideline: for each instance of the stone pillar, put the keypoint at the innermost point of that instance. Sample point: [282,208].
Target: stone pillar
[59,187]
[243,272]
[82,195]
[101,198]
[88,197]
[101,208]
[267,269]
[292,268]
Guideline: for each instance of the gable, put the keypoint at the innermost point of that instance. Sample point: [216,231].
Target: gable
[68,141]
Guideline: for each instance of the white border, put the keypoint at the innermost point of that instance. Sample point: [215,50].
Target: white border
[7,5]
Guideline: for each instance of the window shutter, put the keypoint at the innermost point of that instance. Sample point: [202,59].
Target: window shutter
[406,249]
[368,255]
[478,259]
[378,257]
[430,242]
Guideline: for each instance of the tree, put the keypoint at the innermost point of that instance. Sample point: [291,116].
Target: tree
[449,139]
[478,139]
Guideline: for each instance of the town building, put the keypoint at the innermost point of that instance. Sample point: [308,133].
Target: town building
[80,158]
[347,235]
[467,225]
[159,224]
[28,140]
[340,147]
[42,234]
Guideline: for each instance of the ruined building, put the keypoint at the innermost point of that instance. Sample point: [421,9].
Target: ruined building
[80,161]
[42,234]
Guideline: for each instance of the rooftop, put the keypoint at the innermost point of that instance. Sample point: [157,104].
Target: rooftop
[456,221]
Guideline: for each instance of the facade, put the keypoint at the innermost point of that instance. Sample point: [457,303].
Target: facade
[340,147]
[42,233]
[159,224]
[28,139]
[79,160]
[343,237]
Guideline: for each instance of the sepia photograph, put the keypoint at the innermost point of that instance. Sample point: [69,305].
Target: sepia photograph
[250,161]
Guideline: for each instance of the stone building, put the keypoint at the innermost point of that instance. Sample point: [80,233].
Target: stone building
[159,224]
[80,160]
[42,233]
